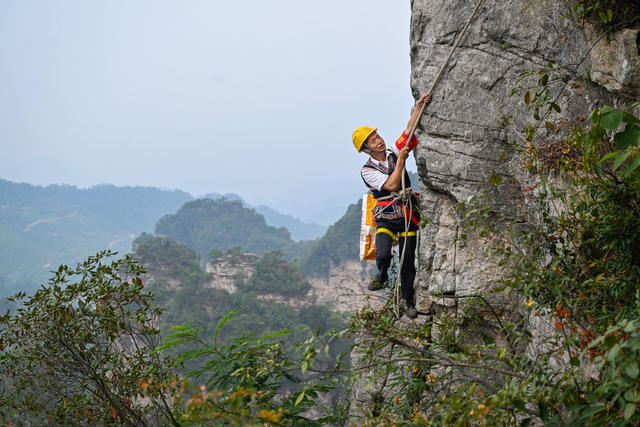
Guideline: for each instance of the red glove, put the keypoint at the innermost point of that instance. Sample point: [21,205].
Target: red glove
[402,141]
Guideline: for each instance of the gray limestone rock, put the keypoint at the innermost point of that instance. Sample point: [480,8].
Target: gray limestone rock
[227,270]
[463,137]
[615,60]
[468,131]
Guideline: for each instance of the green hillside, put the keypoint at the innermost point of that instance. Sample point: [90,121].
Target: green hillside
[340,243]
[207,225]
[299,229]
[43,227]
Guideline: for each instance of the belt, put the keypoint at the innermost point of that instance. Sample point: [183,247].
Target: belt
[395,235]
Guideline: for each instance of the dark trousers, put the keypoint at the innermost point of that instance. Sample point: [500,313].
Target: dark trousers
[384,256]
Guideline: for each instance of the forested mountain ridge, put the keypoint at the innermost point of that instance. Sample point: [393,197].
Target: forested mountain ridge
[207,225]
[299,229]
[42,227]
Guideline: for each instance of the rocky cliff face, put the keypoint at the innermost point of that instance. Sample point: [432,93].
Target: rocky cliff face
[462,133]
[464,140]
[345,287]
[227,270]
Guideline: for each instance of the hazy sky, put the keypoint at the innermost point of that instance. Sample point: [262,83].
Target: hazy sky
[253,97]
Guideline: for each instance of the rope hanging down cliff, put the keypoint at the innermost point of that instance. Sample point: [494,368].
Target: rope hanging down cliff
[405,193]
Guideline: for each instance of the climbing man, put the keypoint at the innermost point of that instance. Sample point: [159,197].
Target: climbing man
[382,174]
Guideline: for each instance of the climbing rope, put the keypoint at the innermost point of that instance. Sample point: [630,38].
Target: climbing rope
[405,195]
[444,65]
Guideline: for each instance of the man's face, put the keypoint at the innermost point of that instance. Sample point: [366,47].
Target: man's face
[375,142]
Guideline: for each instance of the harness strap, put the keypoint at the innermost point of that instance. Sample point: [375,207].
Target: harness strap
[399,196]
[386,231]
[395,235]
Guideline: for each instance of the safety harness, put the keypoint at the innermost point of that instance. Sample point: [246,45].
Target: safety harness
[392,205]
[405,195]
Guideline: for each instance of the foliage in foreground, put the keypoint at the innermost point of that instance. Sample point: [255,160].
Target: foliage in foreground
[255,380]
[82,350]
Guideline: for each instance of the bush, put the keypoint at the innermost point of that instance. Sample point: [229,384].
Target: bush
[82,349]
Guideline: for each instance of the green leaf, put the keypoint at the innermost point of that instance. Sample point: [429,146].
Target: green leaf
[631,167]
[629,118]
[632,369]
[609,15]
[527,98]
[613,353]
[620,159]
[608,156]
[544,79]
[519,403]
[610,118]
[603,17]
[224,320]
[630,326]
[628,137]
[596,133]
[629,410]
[593,409]
[299,399]
[544,410]
[549,125]
[555,107]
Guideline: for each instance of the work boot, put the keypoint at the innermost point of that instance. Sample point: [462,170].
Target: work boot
[409,310]
[378,282]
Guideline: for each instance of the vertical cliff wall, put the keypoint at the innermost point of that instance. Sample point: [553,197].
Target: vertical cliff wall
[472,128]
[462,134]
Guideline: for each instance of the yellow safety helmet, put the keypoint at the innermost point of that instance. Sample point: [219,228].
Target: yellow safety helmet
[360,135]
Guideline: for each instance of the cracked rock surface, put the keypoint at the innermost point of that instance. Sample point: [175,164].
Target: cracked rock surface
[469,129]
[463,141]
